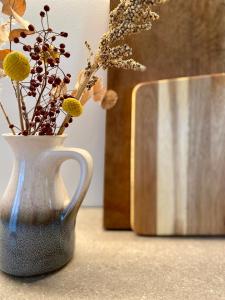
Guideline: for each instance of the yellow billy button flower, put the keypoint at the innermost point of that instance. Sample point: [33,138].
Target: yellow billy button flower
[16,66]
[73,107]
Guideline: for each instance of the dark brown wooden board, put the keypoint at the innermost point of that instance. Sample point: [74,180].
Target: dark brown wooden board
[189,39]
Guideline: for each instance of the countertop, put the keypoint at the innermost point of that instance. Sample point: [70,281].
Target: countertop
[120,265]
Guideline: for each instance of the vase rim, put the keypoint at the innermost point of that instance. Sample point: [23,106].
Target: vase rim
[10,135]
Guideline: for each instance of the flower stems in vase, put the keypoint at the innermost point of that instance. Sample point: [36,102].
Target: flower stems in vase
[41,77]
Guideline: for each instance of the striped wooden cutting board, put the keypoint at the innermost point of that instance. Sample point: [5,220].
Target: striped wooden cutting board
[178,157]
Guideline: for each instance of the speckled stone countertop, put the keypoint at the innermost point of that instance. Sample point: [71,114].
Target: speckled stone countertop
[120,265]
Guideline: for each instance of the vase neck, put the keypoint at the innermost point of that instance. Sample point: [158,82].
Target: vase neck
[31,146]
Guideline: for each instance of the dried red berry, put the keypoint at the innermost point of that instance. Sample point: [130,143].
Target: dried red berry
[64,34]
[67,54]
[40,78]
[50,80]
[35,57]
[58,81]
[39,39]
[37,49]
[39,69]
[11,126]
[66,80]
[62,46]
[16,40]
[53,38]
[25,48]
[32,88]
[50,61]
[44,48]
[25,132]
[31,27]
[42,14]
[46,8]
[23,35]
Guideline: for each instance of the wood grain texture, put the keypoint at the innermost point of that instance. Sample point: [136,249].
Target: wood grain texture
[178,157]
[188,40]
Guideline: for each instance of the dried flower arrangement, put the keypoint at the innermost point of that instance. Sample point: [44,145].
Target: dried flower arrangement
[41,77]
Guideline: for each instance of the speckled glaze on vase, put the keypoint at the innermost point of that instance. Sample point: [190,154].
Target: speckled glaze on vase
[37,218]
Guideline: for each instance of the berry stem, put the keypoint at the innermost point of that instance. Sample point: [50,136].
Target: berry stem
[41,93]
[7,119]
[10,29]
[19,105]
[25,114]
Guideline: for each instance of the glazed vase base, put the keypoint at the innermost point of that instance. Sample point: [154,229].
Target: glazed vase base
[35,249]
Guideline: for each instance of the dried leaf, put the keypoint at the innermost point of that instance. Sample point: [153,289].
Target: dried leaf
[85,96]
[109,100]
[4,33]
[16,33]
[59,91]
[21,21]
[80,78]
[98,91]
[19,6]
[3,54]
[74,92]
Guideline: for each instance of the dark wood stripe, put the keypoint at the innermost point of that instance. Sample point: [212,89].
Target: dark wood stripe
[206,188]
[145,161]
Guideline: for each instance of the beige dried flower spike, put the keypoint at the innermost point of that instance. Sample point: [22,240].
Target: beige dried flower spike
[128,18]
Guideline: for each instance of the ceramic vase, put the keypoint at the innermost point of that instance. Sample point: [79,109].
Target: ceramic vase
[37,217]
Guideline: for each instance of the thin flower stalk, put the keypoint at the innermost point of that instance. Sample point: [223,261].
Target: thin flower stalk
[7,119]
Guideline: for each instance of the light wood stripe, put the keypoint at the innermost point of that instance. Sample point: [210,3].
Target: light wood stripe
[180,155]
[172,157]
[132,156]
[165,178]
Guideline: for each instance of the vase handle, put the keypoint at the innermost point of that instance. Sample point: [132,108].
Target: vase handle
[86,169]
